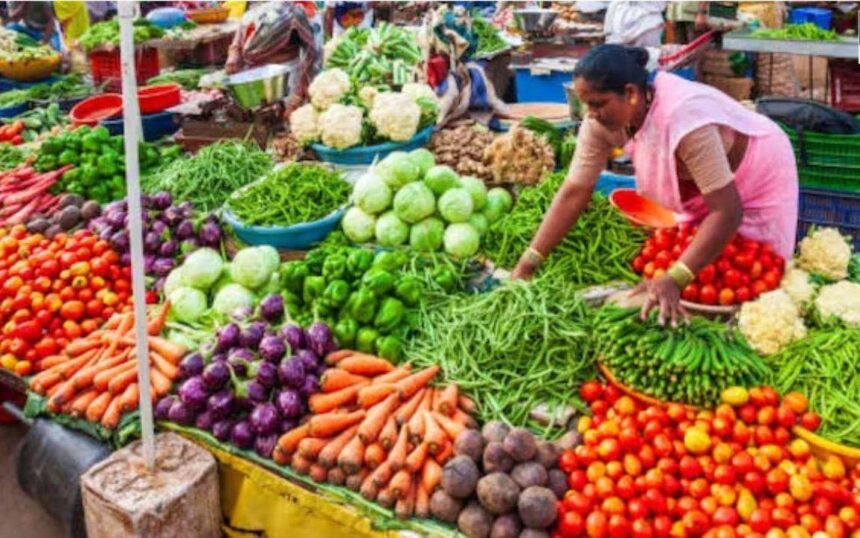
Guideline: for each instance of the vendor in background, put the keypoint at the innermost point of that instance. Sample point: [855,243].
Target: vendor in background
[277,33]
[37,20]
[73,17]
[696,151]
[638,24]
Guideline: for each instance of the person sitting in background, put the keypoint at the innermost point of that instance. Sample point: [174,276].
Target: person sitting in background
[637,24]
[37,20]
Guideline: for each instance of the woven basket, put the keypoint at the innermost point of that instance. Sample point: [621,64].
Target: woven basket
[33,69]
[215,15]
[737,88]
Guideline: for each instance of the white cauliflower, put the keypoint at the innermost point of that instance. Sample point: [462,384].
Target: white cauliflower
[304,124]
[826,253]
[771,322]
[328,88]
[340,126]
[395,116]
[366,95]
[842,301]
[796,283]
[417,90]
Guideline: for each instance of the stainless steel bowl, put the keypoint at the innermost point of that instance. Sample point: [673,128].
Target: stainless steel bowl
[259,86]
[535,21]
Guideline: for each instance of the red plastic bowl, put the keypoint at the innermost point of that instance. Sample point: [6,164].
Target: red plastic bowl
[640,210]
[94,109]
[156,98]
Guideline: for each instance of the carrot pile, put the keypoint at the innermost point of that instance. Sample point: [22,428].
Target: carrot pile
[95,377]
[378,429]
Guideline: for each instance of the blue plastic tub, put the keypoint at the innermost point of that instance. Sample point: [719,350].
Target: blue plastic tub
[532,88]
[823,18]
[155,126]
[297,237]
[7,84]
[609,182]
[367,154]
[14,110]
[824,208]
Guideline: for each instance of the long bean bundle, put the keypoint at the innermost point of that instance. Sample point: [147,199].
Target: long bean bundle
[513,348]
[824,367]
[597,250]
[209,177]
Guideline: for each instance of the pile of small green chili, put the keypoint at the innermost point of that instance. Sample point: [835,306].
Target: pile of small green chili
[518,346]
[597,250]
[294,194]
[208,178]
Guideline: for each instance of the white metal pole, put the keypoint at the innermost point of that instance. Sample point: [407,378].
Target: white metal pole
[132,129]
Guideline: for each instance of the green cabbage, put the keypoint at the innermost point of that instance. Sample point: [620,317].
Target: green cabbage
[371,194]
[358,225]
[202,268]
[397,169]
[252,267]
[232,297]
[479,222]
[174,281]
[499,202]
[462,240]
[390,230]
[187,304]
[414,202]
[273,259]
[426,236]
[477,189]
[440,178]
[456,205]
[423,159]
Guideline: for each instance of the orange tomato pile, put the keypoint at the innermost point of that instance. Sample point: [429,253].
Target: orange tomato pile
[53,291]
[647,471]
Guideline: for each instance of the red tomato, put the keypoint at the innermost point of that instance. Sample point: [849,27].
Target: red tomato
[771,279]
[760,520]
[743,260]
[724,474]
[656,501]
[648,253]
[708,294]
[591,391]
[743,294]
[571,525]
[576,501]
[691,293]
[732,278]
[777,481]
[638,264]
[596,525]
[567,461]
[641,528]
[72,310]
[619,527]
[727,297]
[662,260]
[755,482]
[695,522]
[810,421]
[707,274]
[637,509]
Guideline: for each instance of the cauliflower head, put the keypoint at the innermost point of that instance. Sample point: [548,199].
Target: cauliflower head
[416,90]
[395,116]
[796,283]
[329,87]
[304,124]
[826,253]
[340,126]
[842,301]
[771,322]
[367,95]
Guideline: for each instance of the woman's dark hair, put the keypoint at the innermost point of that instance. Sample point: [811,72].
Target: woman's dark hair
[609,68]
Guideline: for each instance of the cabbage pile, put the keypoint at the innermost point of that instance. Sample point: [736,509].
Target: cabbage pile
[409,200]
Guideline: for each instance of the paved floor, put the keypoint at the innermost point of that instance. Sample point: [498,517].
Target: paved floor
[22,517]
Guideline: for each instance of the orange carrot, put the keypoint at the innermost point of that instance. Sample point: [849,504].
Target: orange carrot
[422,502]
[329,424]
[351,458]
[81,402]
[462,418]
[394,375]
[300,465]
[85,376]
[65,392]
[400,483]
[280,457]
[290,440]
[160,383]
[374,455]
[103,378]
[155,325]
[336,476]
[335,379]
[415,459]
[170,370]
[124,324]
[42,382]
[415,382]
[73,365]
[310,447]
[388,435]
[373,394]
[431,475]
[167,349]
[405,506]
[130,398]
[406,410]
[323,403]
[446,400]
[466,404]
[337,356]
[52,361]
[82,345]
[122,381]
[434,435]
[318,473]
[446,452]
[385,499]
[373,423]
[382,474]
[361,364]
[328,455]
[397,454]
[368,489]
[452,429]
[354,481]
[416,423]
[113,413]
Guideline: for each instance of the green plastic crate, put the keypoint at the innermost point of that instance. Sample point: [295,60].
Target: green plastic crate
[829,178]
[825,150]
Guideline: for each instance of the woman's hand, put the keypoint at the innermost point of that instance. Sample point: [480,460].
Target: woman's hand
[524,270]
[662,293]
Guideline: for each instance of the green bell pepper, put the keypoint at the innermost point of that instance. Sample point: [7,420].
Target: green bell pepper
[365,339]
[107,166]
[292,302]
[359,261]
[89,174]
[101,134]
[390,261]
[334,267]
[363,305]
[389,315]
[314,261]
[408,290]
[91,143]
[314,286]
[293,275]
[68,156]
[388,347]
[445,278]
[336,293]
[344,332]
[51,146]
[379,281]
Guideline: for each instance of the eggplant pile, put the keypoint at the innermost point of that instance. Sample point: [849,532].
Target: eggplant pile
[170,233]
[253,382]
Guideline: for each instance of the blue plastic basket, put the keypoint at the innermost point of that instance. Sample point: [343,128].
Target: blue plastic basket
[534,88]
[832,209]
[7,84]
[367,154]
[14,110]
[609,182]
[823,18]
[155,126]
[297,237]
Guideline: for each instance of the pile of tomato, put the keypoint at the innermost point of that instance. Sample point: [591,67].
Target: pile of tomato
[744,270]
[53,291]
[649,471]
[11,133]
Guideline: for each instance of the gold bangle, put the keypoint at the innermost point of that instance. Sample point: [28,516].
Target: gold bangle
[536,253]
[534,257]
[681,274]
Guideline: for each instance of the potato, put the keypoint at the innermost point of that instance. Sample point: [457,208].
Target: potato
[69,217]
[71,200]
[90,210]
[37,226]
[547,454]
[474,521]
[557,482]
[469,443]
[459,477]
[520,444]
[537,507]
[506,526]
[444,507]
[498,493]
[569,440]
[530,473]
[533,533]
[495,430]
[496,459]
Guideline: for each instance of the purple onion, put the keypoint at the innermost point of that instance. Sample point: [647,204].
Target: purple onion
[162,408]
[204,421]
[115,218]
[291,373]
[125,259]
[219,357]
[172,216]
[242,434]
[265,444]
[191,365]
[159,228]
[180,413]
[221,404]
[294,336]
[186,208]
[241,314]
[221,430]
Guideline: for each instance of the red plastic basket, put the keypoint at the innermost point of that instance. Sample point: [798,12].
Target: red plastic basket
[106,68]
[160,97]
[845,86]
[92,110]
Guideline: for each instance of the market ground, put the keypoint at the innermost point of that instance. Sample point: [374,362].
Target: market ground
[22,516]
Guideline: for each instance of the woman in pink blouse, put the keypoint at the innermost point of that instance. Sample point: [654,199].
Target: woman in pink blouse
[695,150]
